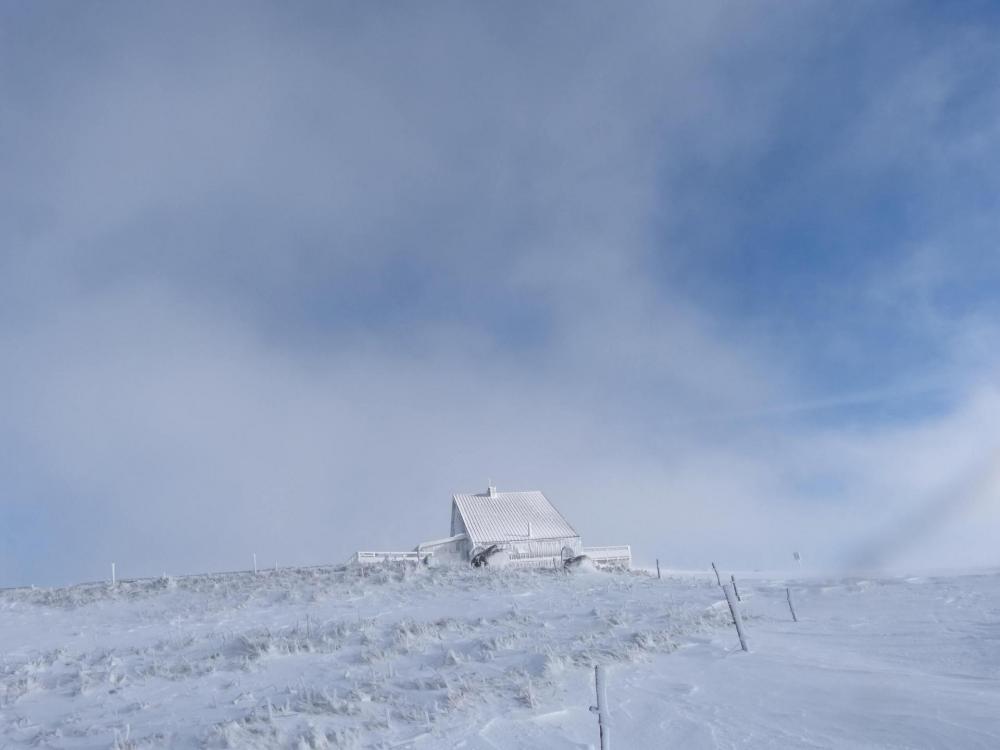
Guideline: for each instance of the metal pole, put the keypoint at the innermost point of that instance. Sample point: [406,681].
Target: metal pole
[601,709]
[791,606]
[734,608]
[719,580]
[733,579]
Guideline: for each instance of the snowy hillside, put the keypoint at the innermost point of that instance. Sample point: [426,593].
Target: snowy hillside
[439,658]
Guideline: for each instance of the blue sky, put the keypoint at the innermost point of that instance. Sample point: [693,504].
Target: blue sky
[722,279]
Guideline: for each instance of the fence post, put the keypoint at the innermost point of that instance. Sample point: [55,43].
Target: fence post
[735,590]
[114,577]
[718,580]
[601,709]
[658,568]
[791,606]
[255,563]
[734,609]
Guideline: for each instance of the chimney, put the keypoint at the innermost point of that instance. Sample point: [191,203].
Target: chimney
[491,491]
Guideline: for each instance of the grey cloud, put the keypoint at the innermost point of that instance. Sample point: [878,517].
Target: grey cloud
[282,279]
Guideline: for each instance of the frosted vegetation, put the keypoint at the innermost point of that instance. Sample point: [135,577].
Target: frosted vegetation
[437,657]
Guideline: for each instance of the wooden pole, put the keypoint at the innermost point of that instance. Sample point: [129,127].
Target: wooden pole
[736,590]
[601,709]
[718,580]
[657,568]
[791,606]
[734,609]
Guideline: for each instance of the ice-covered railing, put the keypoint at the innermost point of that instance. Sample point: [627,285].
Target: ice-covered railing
[371,558]
[617,556]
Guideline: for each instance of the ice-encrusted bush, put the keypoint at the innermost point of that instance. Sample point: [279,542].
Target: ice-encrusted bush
[321,702]
[17,687]
[654,640]
[260,732]
[249,648]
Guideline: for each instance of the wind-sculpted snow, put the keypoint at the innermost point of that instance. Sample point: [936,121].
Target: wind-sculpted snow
[326,657]
[480,659]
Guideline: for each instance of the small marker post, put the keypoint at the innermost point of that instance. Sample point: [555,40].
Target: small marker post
[734,609]
[791,607]
[114,577]
[255,563]
[735,589]
[717,579]
[601,709]
[658,568]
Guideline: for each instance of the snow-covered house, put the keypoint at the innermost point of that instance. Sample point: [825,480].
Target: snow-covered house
[519,529]
[524,527]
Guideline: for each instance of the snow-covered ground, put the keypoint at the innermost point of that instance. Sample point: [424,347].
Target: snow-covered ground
[484,659]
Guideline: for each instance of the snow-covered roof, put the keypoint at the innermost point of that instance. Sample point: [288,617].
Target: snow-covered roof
[501,516]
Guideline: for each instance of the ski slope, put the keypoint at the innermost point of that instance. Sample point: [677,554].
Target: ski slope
[485,659]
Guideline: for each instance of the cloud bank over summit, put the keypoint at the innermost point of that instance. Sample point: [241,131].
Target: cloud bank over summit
[718,279]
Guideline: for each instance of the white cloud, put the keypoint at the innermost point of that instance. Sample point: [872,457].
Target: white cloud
[172,417]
